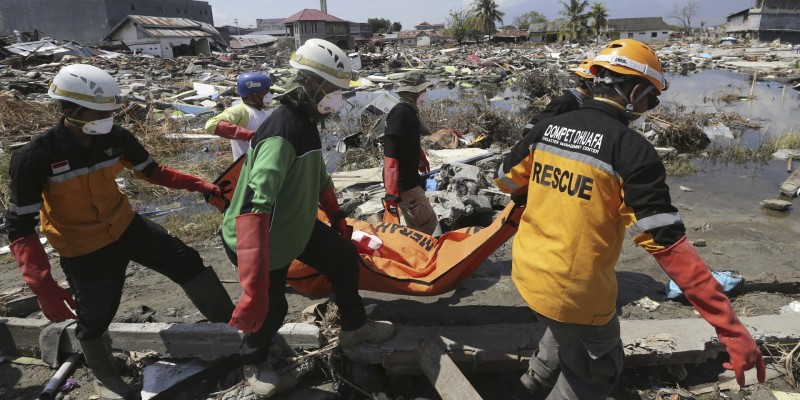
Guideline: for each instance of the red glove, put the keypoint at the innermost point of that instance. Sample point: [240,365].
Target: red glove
[682,263]
[252,253]
[391,180]
[424,165]
[35,267]
[232,131]
[174,179]
[216,199]
[329,204]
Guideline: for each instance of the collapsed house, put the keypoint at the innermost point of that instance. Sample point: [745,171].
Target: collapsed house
[167,37]
[767,21]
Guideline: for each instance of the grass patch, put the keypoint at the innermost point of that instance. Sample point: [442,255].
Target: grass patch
[737,153]
[5,179]
[680,167]
[193,226]
[790,140]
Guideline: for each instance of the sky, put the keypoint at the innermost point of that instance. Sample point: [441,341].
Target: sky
[412,12]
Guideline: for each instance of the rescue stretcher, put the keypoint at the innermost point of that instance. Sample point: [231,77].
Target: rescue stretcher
[399,260]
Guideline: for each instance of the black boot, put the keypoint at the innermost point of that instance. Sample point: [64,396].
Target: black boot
[108,385]
[209,296]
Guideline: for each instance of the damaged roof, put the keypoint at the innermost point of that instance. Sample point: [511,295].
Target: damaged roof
[552,26]
[638,24]
[512,33]
[414,34]
[163,27]
[167,27]
[310,14]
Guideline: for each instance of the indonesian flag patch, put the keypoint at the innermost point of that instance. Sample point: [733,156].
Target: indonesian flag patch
[59,167]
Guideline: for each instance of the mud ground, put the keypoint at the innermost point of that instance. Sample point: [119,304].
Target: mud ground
[722,209]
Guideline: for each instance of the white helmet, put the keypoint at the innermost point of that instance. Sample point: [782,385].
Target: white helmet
[86,86]
[324,59]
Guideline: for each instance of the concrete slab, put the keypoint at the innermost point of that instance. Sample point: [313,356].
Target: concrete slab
[646,342]
[203,341]
[163,375]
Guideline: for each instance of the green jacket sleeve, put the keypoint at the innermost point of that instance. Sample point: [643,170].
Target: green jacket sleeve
[273,158]
[325,180]
[236,115]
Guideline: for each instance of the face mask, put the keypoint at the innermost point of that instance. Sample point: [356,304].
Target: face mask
[331,102]
[422,98]
[98,127]
[267,99]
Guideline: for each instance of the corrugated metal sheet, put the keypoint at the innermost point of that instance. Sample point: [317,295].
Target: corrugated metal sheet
[240,42]
[163,21]
[177,33]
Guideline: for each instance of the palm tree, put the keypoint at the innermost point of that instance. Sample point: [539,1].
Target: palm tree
[577,18]
[487,12]
[599,15]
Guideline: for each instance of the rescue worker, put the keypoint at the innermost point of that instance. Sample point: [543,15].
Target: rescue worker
[272,218]
[571,100]
[589,179]
[404,158]
[66,176]
[239,123]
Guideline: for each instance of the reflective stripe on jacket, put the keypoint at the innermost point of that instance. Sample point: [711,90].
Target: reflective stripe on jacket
[589,178]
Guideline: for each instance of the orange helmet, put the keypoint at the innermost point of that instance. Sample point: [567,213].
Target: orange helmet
[582,70]
[631,57]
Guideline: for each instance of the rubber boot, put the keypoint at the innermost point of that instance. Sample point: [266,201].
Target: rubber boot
[263,380]
[371,331]
[108,385]
[533,384]
[209,296]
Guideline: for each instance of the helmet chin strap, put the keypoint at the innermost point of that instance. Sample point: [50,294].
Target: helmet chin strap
[629,106]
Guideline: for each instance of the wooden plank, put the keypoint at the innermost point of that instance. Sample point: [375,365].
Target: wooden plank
[443,373]
[470,362]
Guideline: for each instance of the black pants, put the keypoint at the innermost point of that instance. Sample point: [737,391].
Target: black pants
[97,278]
[330,254]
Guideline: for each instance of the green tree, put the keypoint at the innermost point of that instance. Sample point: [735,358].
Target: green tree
[379,25]
[487,12]
[577,19]
[461,24]
[396,27]
[524,21]
[599,15]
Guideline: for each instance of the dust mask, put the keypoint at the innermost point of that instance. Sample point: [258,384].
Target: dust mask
[422,98]
[98,127]
[331,102]
[267,99]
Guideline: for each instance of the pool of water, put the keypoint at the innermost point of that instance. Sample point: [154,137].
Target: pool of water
[776,109]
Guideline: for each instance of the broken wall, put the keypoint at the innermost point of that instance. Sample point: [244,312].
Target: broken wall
[117,10]
[83,21]
[89,21]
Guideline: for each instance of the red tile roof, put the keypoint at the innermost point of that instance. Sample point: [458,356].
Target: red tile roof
[310,14]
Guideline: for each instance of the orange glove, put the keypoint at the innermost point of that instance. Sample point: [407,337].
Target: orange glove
[252,253]
[682,263]
[35,268]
